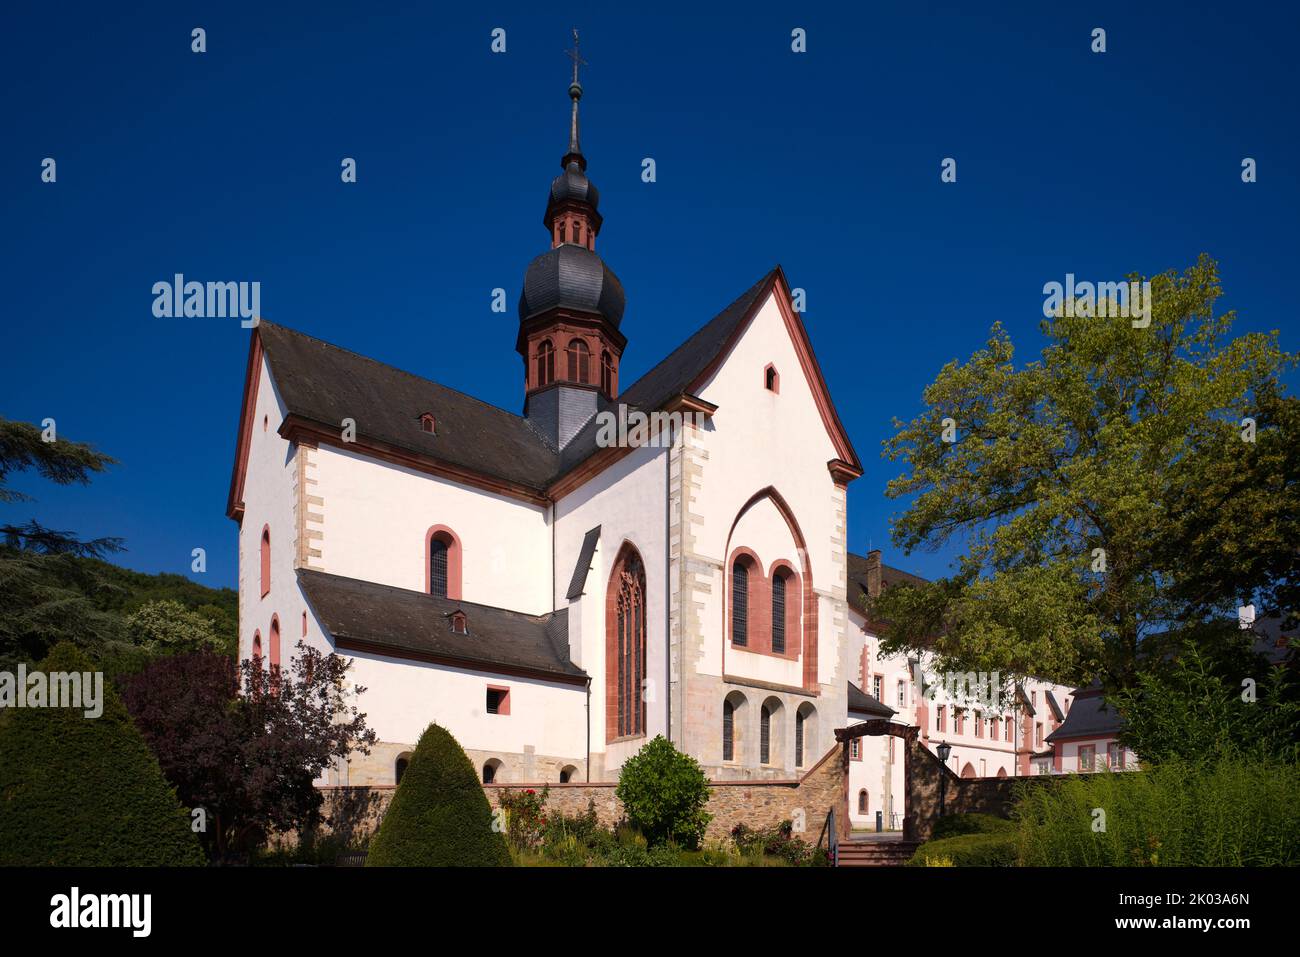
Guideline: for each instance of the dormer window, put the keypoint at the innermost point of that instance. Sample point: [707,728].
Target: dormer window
[428,423]
[459,623]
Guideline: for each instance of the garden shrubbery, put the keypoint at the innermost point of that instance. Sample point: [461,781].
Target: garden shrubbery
[1233,812]
[664,793]
[955,825]
[976,849]
[439,816]
[85,792]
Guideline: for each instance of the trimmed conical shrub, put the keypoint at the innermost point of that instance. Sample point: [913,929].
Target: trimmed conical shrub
[78,791]
[439,816]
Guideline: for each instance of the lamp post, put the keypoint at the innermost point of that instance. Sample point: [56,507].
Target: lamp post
[943,750]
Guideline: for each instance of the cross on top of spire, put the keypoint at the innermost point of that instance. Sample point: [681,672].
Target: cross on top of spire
[577,60]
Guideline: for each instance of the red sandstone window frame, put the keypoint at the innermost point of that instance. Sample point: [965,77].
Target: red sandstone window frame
[502,701]
[771,379]
[1090,764]
[855,749]
[625,646]
[455,563]
[941,719]
[265,557]
[257,643]
[545,368]
[579,361]
[274,658]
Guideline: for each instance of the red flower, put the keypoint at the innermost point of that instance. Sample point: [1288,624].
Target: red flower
[530,791]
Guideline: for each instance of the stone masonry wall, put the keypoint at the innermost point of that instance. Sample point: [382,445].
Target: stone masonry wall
[358,810]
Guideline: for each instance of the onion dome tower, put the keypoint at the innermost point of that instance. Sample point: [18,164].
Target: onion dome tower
[571,304]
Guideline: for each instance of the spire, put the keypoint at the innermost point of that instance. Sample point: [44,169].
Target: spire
[574,155]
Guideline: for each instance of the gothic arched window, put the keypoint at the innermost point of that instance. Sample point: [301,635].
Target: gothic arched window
[625,646]
[545,363]
[579,362]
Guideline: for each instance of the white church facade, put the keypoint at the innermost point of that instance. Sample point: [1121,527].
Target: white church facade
[553,599]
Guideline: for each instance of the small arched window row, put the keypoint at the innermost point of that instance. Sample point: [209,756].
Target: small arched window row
[579,361]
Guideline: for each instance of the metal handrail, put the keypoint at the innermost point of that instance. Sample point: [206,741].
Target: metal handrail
[832,838]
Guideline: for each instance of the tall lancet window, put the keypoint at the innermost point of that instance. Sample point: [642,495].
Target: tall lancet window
[579,362]
[625,647]
[606,373]
[778,613]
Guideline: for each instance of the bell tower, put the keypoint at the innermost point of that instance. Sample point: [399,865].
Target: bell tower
[571,304]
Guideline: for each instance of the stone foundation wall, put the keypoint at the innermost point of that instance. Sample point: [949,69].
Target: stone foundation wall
[357,811]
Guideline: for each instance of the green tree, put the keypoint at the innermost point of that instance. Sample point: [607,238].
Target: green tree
[439,816]
[168,627]
[85,792]
[48,595]
[664,793]
[1071,488]
[1205,695]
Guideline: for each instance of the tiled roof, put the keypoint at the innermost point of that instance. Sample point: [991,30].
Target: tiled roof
[325,384]
[407,623]
[862,703]
[1089,715]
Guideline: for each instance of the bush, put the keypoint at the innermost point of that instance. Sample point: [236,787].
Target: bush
[977,849]
[525,817]
[1233,812]
[954,825]
[777,840]
[85,792]
[439,816]
[664,793]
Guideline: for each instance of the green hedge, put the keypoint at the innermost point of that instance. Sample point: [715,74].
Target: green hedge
[439,816]
[997,849]
[85,792]
[954,825]
[1233,812]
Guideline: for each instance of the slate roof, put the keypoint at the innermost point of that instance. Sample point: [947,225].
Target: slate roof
[1089,716]
[401,622]
[674,375]
[862,703]
[1054,705]
[579,580]
[325,383]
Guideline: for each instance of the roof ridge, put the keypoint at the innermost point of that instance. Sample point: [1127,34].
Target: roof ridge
[387,365]
[700,331]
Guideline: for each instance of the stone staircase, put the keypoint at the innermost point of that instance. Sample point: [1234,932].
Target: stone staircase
[860,853]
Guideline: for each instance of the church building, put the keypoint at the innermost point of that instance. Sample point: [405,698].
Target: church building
[554,598]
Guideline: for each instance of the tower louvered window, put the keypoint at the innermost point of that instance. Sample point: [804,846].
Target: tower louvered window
[579,362]
[438,568]
[545,363]
[728,731]
[778,614]
[739,603]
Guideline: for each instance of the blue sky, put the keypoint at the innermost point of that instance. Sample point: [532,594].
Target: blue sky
[225,166]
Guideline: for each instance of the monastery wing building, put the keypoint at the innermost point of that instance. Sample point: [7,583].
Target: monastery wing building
[553,591]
